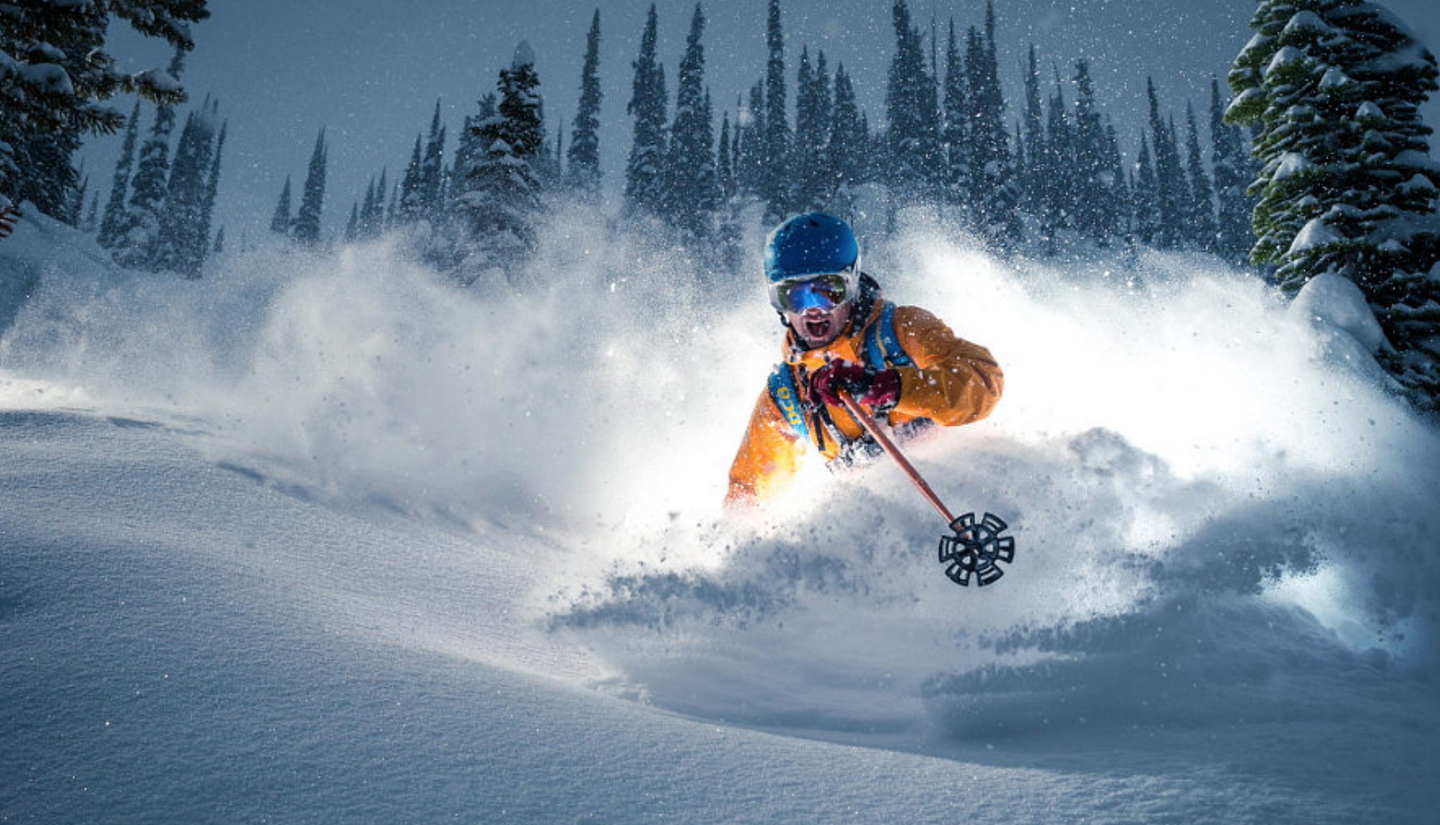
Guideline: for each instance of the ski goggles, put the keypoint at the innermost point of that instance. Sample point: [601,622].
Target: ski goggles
[821,291]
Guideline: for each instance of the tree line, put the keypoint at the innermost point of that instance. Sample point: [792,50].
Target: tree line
[1318,164]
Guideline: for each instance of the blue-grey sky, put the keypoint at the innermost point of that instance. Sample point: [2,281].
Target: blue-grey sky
[370,72]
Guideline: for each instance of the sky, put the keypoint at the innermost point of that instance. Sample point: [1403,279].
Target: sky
[370,72]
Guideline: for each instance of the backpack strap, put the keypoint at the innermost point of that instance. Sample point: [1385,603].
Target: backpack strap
[882,345]
[786,398]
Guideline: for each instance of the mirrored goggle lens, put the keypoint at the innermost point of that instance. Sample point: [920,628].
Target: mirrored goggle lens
[823,291]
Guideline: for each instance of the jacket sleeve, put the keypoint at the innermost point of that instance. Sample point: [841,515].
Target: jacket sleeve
[953,381]
[768,458]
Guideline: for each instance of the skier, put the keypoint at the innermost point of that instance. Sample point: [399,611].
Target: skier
[901,363]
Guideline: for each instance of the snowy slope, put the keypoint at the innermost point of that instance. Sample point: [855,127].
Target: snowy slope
[322,539]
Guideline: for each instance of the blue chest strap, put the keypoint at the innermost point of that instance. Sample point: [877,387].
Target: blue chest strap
[882,345]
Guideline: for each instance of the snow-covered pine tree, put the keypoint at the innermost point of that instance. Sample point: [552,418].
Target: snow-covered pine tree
[503,202]
[728,235]
[910,110]
[372,219]
[1094,199]
[408,207]
[116,221]
[312,198]
[1058,192]
[1118,216]
[281,220]
[847,147]
[814,179]
[691,191]
[645,171]
[1333,88]
[997,195]
[1145,197]
[147,190]
[955,132]
[352,226]
[182,241]
[1200,206]
[583,170]
[1170,189]
[1230,159]
[432,169]
[749,143]
[46,177]
[212,187]
[1034,158]
[774,180]
[75,210]
[55,73]
[724,161]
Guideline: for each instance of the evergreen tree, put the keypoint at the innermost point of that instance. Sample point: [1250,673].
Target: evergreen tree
[955,135]
[1334,88]
[1035,157]
[848,146]
[1200,211]
[1145,197]
[280,222]
[645,171]
[997,195]
[1230,160]
[432,170]
[749,148]
[55,72]
[1094,199]
[727,231]
[116,222]
[583,173]
[312,198]
[692,191]
[814,178]
[182,240]
[219,248]
[774,183]
[910,110]
[504,199]
[1170,192]
[147,190]
[352,226]
[1119,217]
[1058,194]
[76,214]
[409,207]
[212,186]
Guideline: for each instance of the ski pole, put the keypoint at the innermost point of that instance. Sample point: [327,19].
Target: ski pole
[976,549]
[863,418]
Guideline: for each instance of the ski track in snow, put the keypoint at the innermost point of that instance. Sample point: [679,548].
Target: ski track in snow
[322,540]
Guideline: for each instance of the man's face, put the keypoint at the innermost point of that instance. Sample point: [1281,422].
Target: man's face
[817,327]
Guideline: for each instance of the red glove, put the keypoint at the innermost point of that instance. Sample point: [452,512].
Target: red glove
[877,390]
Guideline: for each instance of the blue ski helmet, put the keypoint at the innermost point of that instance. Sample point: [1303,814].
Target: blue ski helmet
[815,243]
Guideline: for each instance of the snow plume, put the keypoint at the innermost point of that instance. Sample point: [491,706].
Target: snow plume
[1216,501]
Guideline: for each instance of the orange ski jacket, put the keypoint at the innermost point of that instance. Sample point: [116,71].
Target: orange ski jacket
[949,381]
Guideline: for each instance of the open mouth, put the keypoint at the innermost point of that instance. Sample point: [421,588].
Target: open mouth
[817,328]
